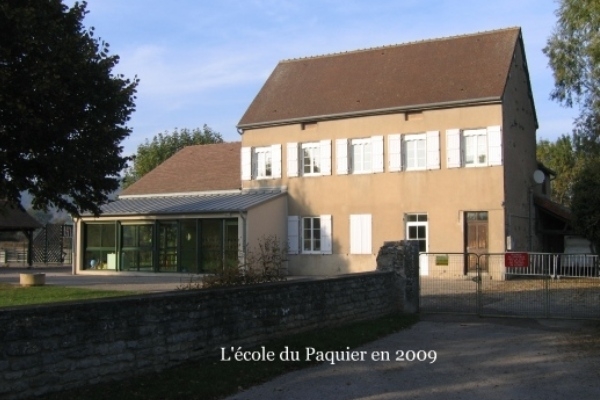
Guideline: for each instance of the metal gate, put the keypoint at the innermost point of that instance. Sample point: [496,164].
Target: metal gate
[53,244]
[549,286]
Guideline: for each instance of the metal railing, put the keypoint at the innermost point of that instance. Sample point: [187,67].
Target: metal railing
[559,265]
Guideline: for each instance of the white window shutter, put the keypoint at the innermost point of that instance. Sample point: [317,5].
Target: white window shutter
[325,157]
[395,153]
[494,134]
[453,149]
[292,159]
[276,160]
[377,146]
[326,236]
[341,155]
[433,150]
[360,234]
[293,230]
[246,163]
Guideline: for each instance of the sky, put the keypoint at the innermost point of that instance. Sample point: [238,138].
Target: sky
[203,61]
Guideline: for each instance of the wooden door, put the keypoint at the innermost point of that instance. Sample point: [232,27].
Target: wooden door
[476,239]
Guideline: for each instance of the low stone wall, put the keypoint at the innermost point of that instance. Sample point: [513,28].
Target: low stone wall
[54,347]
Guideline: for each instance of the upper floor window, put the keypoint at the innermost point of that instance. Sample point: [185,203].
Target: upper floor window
[362,156]
[309,159]
[474,147]
[261,162]
[414,152]
[263,165]
[359,156]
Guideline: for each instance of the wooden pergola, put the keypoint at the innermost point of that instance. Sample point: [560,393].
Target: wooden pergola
[17,220]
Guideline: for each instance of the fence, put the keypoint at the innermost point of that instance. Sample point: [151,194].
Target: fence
[550,286]
[559,265]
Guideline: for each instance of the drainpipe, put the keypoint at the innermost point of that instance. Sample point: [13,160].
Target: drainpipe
[244,234]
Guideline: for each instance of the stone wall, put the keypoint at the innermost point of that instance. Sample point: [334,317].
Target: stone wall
[402,258]
[54,347]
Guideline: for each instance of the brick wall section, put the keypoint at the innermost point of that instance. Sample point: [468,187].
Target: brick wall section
[53,347]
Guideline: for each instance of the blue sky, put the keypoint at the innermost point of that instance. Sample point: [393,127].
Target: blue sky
[202,62]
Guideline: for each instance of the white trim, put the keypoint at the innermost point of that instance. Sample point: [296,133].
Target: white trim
[341,156]
[416,137]
[453,149]
[395,153]
[246,162]
[276,161]
[326,234]
[433,150]
[494,145]
[293,233]
[317,160]
[292,160]
[377,155]
[361,235]
[325,157]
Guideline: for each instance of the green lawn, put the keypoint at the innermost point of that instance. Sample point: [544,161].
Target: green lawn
[211,378]
[15,295]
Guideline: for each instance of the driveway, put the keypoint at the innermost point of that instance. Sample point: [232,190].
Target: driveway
[476,359]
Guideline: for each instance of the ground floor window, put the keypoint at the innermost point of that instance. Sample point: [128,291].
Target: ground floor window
[184,245]
[416,229]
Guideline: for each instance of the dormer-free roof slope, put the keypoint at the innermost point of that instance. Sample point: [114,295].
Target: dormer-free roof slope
[441,72]
[208,167]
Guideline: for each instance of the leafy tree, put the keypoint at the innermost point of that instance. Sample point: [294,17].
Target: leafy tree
[63,113]
[562,158]
[574,53]
[586,194]
[150,154]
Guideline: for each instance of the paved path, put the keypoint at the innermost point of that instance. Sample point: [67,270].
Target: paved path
[61,276]
[476,359]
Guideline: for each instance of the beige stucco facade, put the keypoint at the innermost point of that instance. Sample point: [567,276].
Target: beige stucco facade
[444,194]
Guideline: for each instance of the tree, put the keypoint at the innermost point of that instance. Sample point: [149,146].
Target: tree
[63,113]
[586,194]
[574,53]
[562,158]
[150,154]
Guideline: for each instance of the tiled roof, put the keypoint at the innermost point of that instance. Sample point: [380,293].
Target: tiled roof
[16,219]
[197,204]
[553,208]
[208,167]
[454,70]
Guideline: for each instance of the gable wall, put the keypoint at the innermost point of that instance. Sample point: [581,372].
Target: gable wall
[519,154]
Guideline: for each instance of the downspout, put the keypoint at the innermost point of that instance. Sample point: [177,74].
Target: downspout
[244,236]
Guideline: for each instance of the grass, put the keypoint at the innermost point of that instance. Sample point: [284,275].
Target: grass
[211,378]
[15,295]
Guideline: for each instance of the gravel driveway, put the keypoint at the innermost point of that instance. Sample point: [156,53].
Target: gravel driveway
[489,358]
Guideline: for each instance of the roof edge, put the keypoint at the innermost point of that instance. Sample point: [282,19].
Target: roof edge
[366,113]
[181,194]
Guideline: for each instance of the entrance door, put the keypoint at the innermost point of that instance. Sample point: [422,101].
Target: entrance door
[476,239]
[416,229]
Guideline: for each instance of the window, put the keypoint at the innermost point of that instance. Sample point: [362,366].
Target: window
[474,147]
[263,166]
[309,159]
[416,229]
[100,242]
[309,235]
[359,156]
[360,234]
[136,247]
[362,156]
[311,156]
[261,162]
[414,152]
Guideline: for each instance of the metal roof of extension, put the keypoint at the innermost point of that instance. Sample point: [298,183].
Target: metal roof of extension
[189,204]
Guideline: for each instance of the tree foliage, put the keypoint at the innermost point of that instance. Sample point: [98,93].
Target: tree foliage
[586,197]
[152,153]
[562,158]
[63,113]
[574,55]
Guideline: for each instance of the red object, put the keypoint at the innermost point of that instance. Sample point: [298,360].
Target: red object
[516,260]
